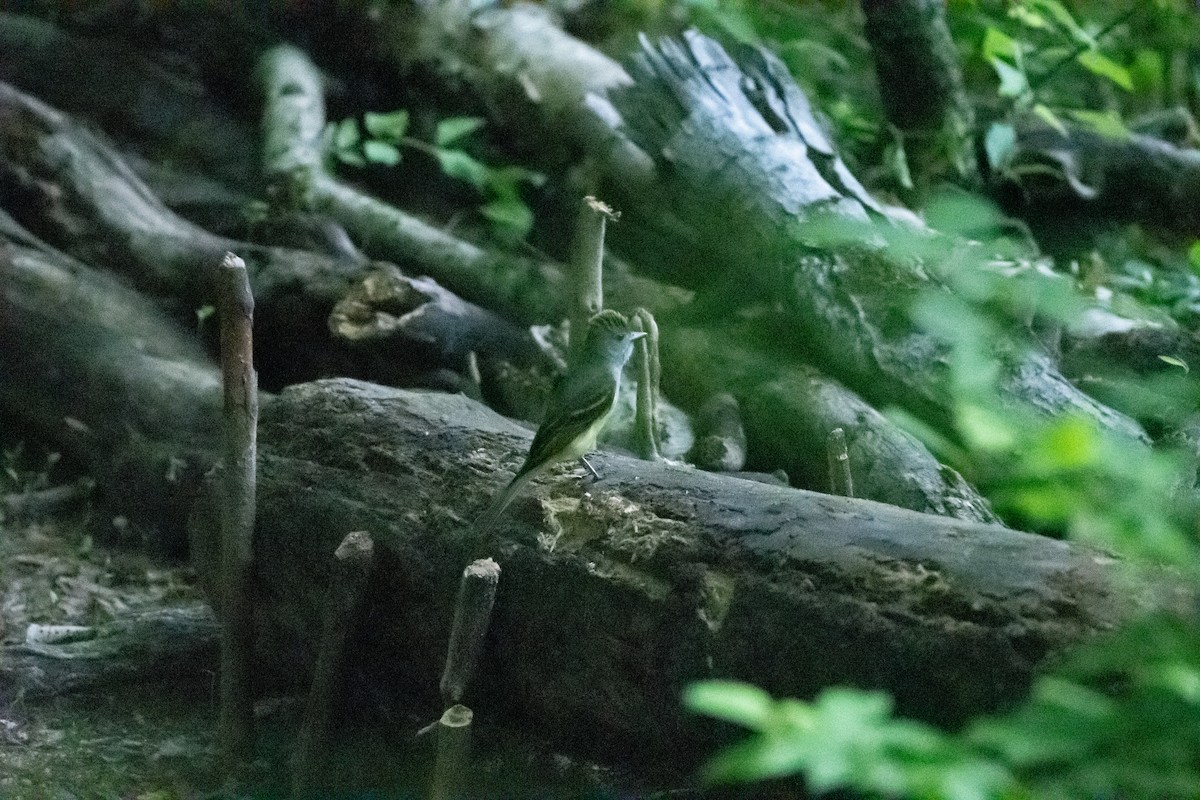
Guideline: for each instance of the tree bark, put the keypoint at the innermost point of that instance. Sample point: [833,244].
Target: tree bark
[293,120]
[158,644]
[713,204]
[1115,175]
[616,594]
[921,84]
[745,166]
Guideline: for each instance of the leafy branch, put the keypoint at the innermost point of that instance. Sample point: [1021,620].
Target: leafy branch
[386,137]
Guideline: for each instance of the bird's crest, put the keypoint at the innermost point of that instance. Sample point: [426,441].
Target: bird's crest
[609,320]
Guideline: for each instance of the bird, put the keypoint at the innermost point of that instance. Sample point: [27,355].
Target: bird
[579,405]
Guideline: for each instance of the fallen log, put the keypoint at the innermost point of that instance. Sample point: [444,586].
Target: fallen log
[100,201]
[616,594]
[619,593]
[148,645]
[293,120]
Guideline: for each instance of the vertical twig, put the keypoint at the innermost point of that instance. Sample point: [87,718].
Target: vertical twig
[453,751]
[649,370]
[476,594]
[840,480]
[237,513]
[472,614]
[587,261]
[720,436]
[353,566]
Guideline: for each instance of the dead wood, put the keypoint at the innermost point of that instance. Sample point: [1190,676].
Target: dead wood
[153,645]
[169,113]
[619,593]
[293,120]
[616,594]
[744,165]
[102,211]
[1127,176]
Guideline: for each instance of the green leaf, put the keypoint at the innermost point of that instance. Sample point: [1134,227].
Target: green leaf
[1099,64]
[347,135]
[1069,443]
[506,181]
[390,127]
[1050,118]
[451,129]
[896,157]
[1149,73]
[999,143]
[352,157]
[1194,257]
[381,153]
[759,758]
[1105,123]
[457,164]
[1013,82]
[732,701]
[1063,17]
[736,23]
[1175,361]
[997,44]
[511,215]
[985,429]
[1028,17]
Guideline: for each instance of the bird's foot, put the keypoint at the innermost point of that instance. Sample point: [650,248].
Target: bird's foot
[583,460]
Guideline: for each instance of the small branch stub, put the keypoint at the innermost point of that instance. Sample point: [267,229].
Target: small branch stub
[649,370]
[240,418]
[840,480]
[587,269]
[353,567]
[476,595]
[720,435]
[453,753]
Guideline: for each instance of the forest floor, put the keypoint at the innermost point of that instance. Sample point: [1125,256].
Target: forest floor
[143,741]
[157,740]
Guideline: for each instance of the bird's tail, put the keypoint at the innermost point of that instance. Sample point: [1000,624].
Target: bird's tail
[489,517]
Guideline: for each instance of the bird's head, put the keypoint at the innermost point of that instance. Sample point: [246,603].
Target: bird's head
[610,333]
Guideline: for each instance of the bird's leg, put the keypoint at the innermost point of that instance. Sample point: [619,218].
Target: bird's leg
[583,460]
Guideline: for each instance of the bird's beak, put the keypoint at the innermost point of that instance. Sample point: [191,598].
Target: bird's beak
[637,335]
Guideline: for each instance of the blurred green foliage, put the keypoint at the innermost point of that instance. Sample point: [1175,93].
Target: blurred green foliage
[1119,717]
[386,137]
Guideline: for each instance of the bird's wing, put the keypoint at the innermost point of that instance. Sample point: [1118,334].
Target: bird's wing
[576,406]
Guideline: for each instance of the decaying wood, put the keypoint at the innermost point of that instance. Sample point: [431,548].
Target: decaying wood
[295,108]
[125,93]
[97,369]
[343,601]
[619,593]
[745,165]
[921,84]
[728,189]
[159,644]
[616,593]
[239,458]
[789,410]
[1122,176]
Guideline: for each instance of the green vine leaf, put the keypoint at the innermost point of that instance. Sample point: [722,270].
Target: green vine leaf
[451,129]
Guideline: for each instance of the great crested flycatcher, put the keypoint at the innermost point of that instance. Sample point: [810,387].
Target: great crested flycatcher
[579,405]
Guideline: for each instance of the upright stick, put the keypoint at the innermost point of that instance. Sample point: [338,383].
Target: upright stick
[236,306]
[476,594]
[353,559]
[587,273]
[841,482]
